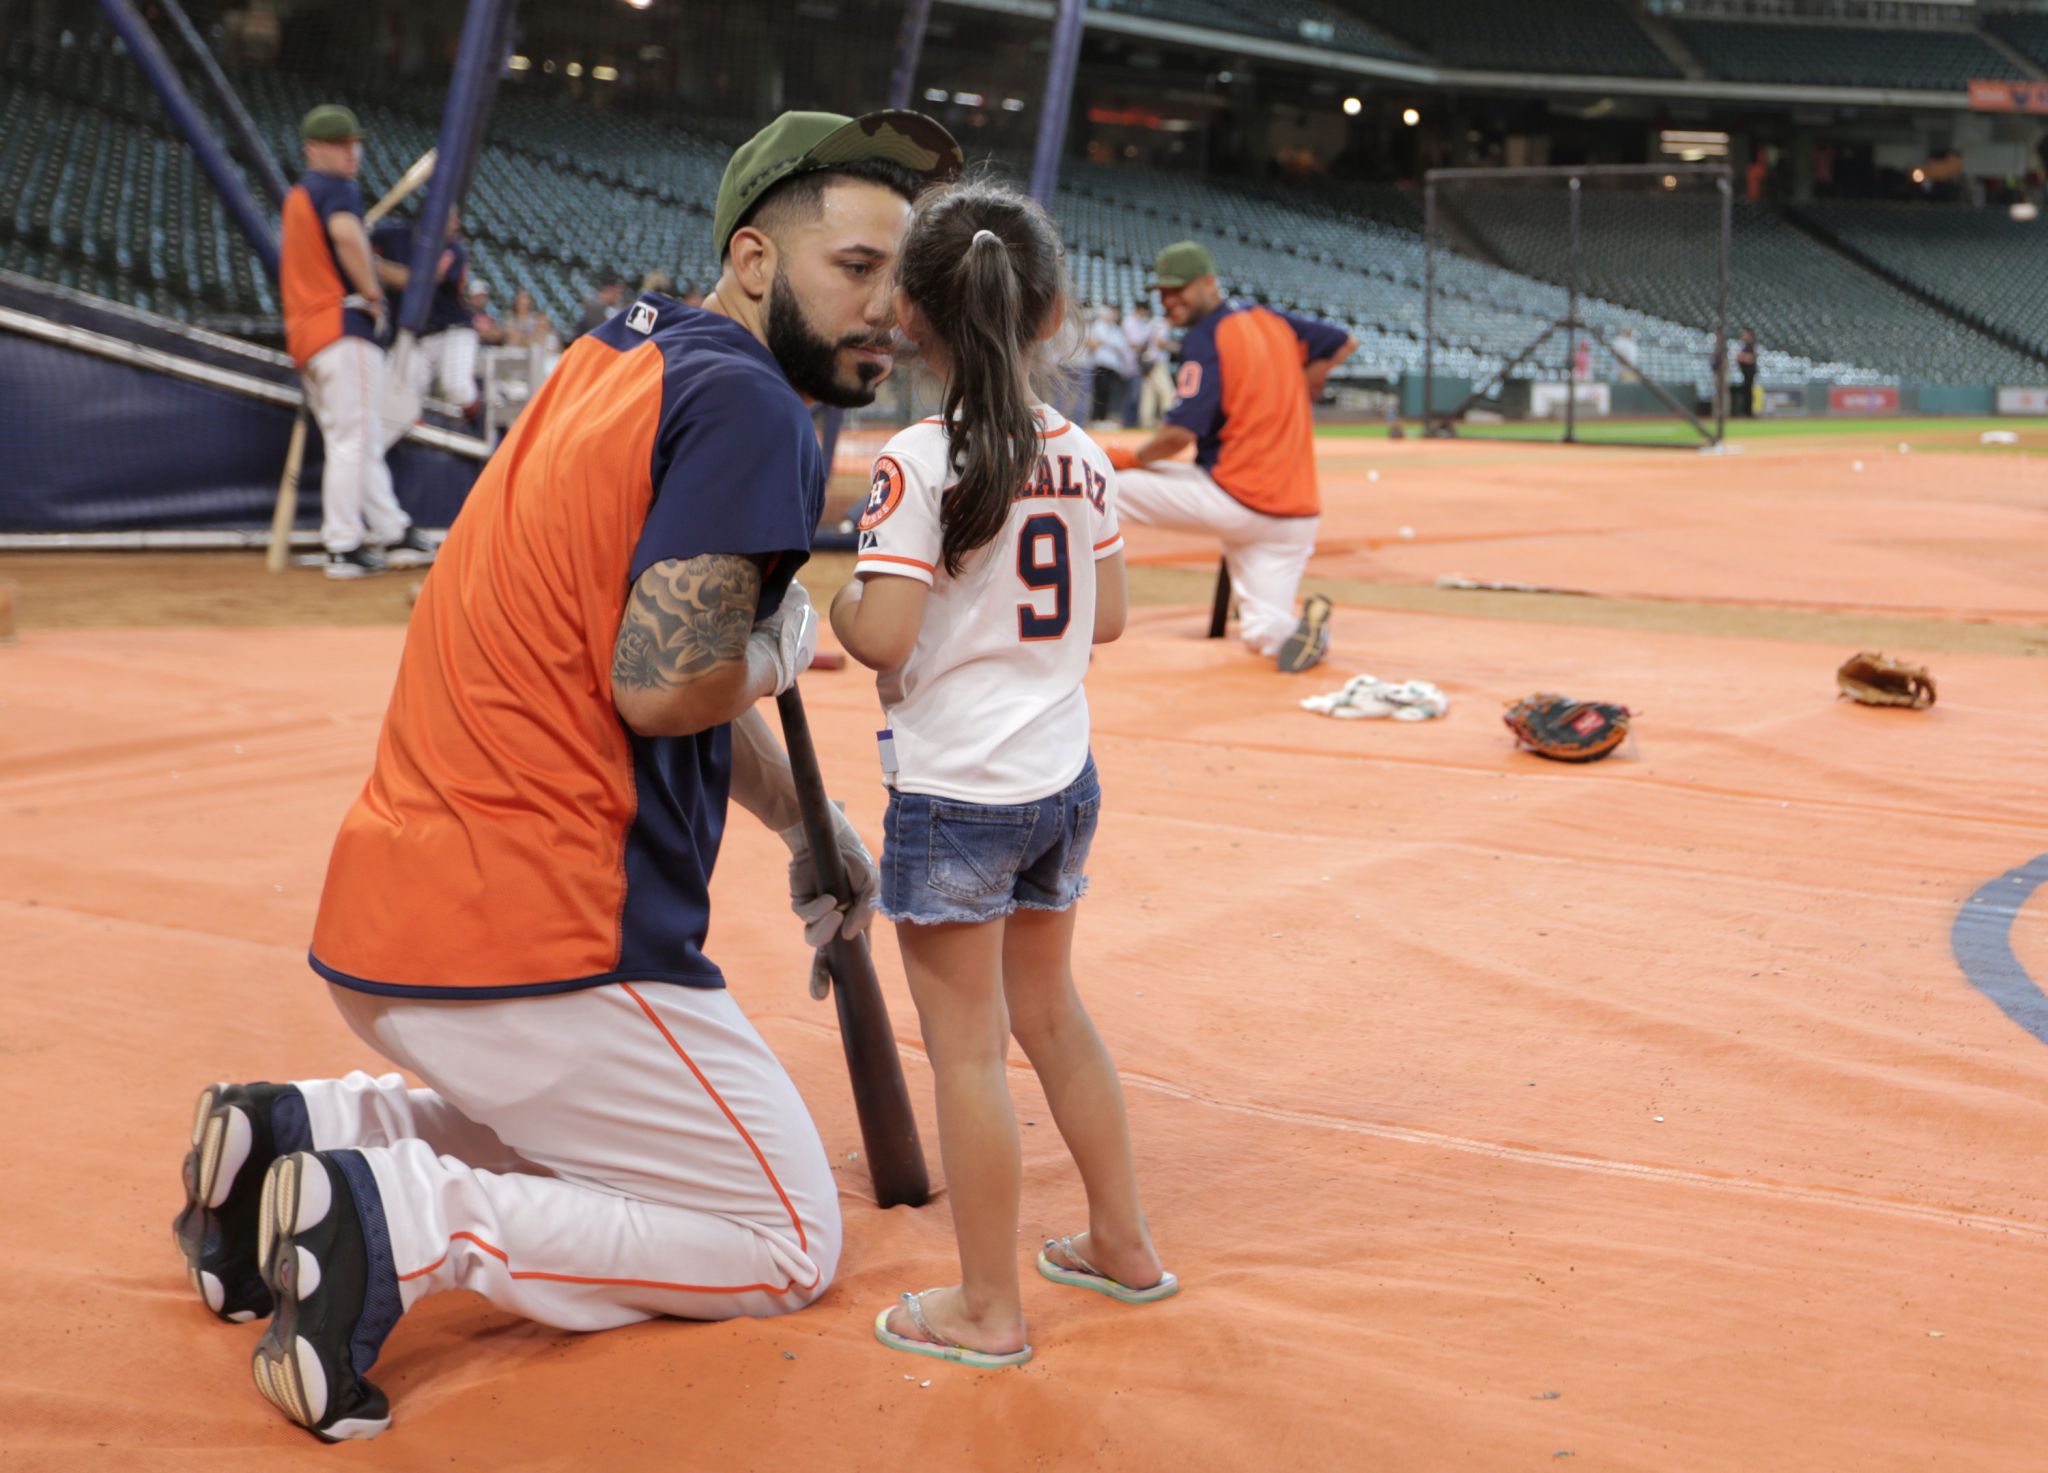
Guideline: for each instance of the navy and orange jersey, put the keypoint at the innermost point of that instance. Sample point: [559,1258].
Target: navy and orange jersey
[1244,396]
[514,836]
[449,307]
[309,278]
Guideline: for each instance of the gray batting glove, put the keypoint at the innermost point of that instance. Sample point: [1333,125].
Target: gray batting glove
[825,916]
[789,636]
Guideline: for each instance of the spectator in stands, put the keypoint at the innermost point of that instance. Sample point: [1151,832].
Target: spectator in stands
[1745,371]
[1137,330]
[444,358]
[1759,174]
[1113,361]
[1625,351]
[528,326]
[1155,371]
[480,318]
[1248,379]
[335,312]
[599,307]
[691,295]
[658,281]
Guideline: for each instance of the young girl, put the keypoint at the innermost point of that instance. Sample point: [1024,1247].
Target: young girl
[990,562]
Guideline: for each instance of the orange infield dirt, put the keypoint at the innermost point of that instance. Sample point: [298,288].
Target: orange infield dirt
[1496,1114]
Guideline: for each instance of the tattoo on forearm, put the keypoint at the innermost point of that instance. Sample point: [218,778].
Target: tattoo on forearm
[684,617]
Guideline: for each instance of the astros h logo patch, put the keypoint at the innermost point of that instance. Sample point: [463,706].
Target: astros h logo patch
[885,494]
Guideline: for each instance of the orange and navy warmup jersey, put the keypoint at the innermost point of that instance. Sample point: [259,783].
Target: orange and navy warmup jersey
[1243,395]
[309,277]
[514,836]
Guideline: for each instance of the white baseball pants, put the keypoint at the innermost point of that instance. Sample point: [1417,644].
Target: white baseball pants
[588,1159]
[1266,555]
[447,360]
[344,385]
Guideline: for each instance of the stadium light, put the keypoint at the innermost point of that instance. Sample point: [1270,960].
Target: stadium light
[2024,210]
[574,69]
[1352,107]
[519,64]
[969,99]
[936,94]
[639,4]
[1225,78]
[1671,181]
[1919,176]
[1013,104]
[604,74]
[1410,116]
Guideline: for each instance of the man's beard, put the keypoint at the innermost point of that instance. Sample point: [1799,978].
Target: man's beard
[811,363]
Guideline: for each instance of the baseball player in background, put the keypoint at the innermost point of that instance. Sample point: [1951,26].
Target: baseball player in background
[517,905]
[1247,378]
[334,315]
[444,357]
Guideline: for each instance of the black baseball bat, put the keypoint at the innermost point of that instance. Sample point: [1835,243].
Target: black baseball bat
[887,1128]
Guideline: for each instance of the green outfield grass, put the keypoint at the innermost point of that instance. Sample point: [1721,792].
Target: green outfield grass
[1677,432]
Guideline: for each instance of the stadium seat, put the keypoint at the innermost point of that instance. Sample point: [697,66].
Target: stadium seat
[1843,56]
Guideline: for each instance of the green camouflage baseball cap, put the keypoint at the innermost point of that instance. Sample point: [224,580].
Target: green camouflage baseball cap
[1182,262]
[330,122]
[797,143]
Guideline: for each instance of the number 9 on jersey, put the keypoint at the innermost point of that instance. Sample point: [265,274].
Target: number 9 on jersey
[1043,564]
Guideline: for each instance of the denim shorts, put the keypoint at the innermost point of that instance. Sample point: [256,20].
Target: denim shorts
[947,861]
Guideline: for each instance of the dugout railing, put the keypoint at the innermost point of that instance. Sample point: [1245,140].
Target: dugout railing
[1553,206]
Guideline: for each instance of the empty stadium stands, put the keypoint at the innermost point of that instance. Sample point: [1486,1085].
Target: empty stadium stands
[1980,264]
[1800,295]
[2025,31]
[1843,56]
[95,193]
[1563,36]
[1303,22]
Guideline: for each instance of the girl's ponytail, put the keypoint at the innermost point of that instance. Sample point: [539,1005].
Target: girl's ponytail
[982,266]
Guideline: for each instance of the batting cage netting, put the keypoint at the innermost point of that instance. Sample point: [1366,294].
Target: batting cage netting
[1582,305]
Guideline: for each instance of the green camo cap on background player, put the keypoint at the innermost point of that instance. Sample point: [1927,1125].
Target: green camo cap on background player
[330,122]
[797,143]
[1182,262]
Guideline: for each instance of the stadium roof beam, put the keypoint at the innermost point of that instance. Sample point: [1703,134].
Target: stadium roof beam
[1456,78]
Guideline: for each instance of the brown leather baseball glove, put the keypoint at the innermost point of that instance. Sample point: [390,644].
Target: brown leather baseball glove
[1566,730]
[1879,680]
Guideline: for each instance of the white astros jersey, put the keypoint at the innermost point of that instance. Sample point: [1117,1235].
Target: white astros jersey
[989,706]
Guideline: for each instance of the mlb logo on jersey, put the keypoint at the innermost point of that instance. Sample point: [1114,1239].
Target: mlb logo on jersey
[884,495]
[641,318]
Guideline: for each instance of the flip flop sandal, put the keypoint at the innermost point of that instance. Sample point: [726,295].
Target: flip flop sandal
[1310,641]
[1085,1275]
[937,1346]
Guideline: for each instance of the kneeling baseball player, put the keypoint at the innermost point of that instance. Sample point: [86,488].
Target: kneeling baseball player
[1247,376]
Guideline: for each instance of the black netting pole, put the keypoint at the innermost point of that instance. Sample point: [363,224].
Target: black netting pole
[477,66]
[1571,361]
[1059,97]
[156,65]
[1428,299]
[909,47]
[1721,325]
[241,127]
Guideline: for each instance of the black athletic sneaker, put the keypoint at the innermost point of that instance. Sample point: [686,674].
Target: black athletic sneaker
[326,1255]
[237,1131]
[359,562]
[1310,641]
[414,550]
